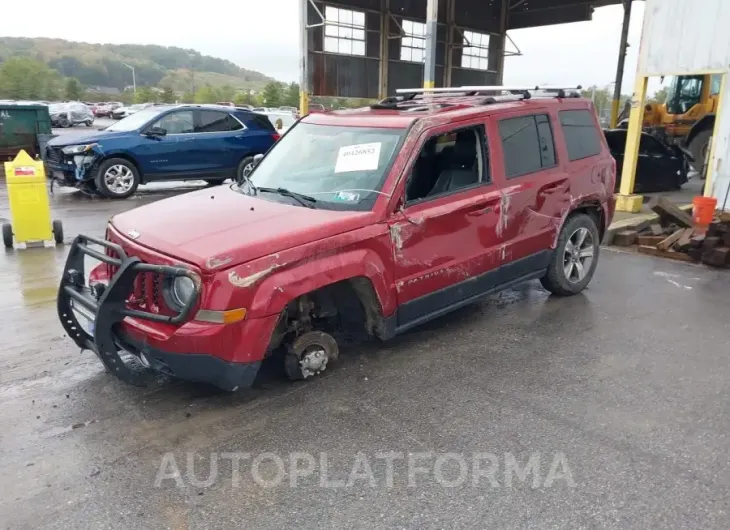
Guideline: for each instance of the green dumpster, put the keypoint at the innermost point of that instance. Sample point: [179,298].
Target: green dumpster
[20,126]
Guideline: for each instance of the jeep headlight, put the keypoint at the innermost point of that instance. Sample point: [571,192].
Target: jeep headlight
[183,290]
[77,149]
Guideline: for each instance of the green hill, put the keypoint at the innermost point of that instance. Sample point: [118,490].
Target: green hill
[103,64]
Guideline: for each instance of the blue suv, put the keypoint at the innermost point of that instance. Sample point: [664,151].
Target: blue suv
[181,142]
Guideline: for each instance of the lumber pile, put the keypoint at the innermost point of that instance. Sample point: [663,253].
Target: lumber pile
[674,236]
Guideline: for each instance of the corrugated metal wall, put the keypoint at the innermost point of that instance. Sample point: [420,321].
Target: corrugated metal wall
[686,37]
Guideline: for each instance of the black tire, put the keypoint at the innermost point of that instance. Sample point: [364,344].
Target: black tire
[89,123]
[698,147]
[64,123]
[215,182]
[58,232]
[241,168]
[102,186]
[7,235]
[556,280]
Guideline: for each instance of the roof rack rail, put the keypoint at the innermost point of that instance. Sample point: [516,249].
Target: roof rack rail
[495,90]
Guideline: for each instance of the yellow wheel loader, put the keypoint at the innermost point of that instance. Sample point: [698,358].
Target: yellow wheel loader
[687,118]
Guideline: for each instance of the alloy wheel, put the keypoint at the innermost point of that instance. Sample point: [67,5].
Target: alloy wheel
[119,179]
[578,255]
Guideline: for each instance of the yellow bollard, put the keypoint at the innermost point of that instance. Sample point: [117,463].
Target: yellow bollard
[30,209]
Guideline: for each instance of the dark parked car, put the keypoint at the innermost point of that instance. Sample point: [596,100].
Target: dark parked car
[187,142]
[660,167]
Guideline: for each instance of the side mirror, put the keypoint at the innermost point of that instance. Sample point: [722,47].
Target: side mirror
[257,159]
[156,132]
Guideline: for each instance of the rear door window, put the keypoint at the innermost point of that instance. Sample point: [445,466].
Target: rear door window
[581,133]
[527,144]
[212,121]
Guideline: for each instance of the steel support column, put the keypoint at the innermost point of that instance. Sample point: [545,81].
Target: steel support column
[429,71]
[384,43]
[503,14]
[450,34]
[626,201]
[620,67]
[304,89]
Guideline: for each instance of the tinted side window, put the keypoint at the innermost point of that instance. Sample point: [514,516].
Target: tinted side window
[581,133]
[262,122]
[234,124]
[212,121]
[520,145]
[547,145]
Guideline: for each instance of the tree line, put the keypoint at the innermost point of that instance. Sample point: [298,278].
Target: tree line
[22,78]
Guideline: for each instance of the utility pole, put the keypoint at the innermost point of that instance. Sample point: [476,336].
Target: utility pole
[134,77]
[621,60]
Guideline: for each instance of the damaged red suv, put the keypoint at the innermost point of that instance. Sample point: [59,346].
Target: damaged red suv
[373,220]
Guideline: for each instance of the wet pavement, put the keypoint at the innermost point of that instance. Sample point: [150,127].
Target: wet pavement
[617,397]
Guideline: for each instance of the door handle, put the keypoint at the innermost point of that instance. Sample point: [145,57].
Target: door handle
[481,211]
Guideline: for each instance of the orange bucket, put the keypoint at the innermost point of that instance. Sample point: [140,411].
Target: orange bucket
[703,210]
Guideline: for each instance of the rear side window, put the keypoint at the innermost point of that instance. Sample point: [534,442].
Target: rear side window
[261,122]
[527,143]
[212,121]
[581,133]
[234,124]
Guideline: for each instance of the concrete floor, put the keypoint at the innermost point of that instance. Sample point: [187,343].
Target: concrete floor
[621,393]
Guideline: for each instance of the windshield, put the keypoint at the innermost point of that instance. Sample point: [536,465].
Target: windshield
[341,167]
[684,93]
[136,120]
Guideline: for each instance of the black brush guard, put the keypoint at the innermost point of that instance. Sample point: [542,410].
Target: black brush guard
[110,305]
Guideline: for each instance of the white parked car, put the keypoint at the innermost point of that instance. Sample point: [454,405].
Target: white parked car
[123,112]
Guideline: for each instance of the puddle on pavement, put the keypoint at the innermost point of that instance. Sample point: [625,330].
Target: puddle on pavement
[29,277]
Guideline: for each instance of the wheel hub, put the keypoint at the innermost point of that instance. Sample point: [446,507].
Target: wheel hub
[310,355]
[313,363]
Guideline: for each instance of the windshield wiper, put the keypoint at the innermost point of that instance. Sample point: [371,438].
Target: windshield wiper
[304,200]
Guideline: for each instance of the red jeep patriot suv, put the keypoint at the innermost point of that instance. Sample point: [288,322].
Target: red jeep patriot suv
[376,219]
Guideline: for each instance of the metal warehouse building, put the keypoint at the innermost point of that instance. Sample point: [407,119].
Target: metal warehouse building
[684,37]
[370,48]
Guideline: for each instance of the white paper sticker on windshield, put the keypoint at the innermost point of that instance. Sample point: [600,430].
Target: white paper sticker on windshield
[360,157]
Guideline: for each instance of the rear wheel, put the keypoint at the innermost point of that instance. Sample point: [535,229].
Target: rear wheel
[58,232]
[698,147]
[7,235]
[575,258]
[215,182]
[117,178]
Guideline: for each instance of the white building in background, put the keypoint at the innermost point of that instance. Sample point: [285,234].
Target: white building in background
[682,37]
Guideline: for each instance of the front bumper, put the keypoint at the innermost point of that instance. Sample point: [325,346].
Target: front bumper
[106,308]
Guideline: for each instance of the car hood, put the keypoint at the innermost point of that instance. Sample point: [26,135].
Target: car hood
[229,226]
[91,138]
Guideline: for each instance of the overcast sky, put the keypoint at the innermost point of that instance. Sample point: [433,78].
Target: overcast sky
[262,35]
